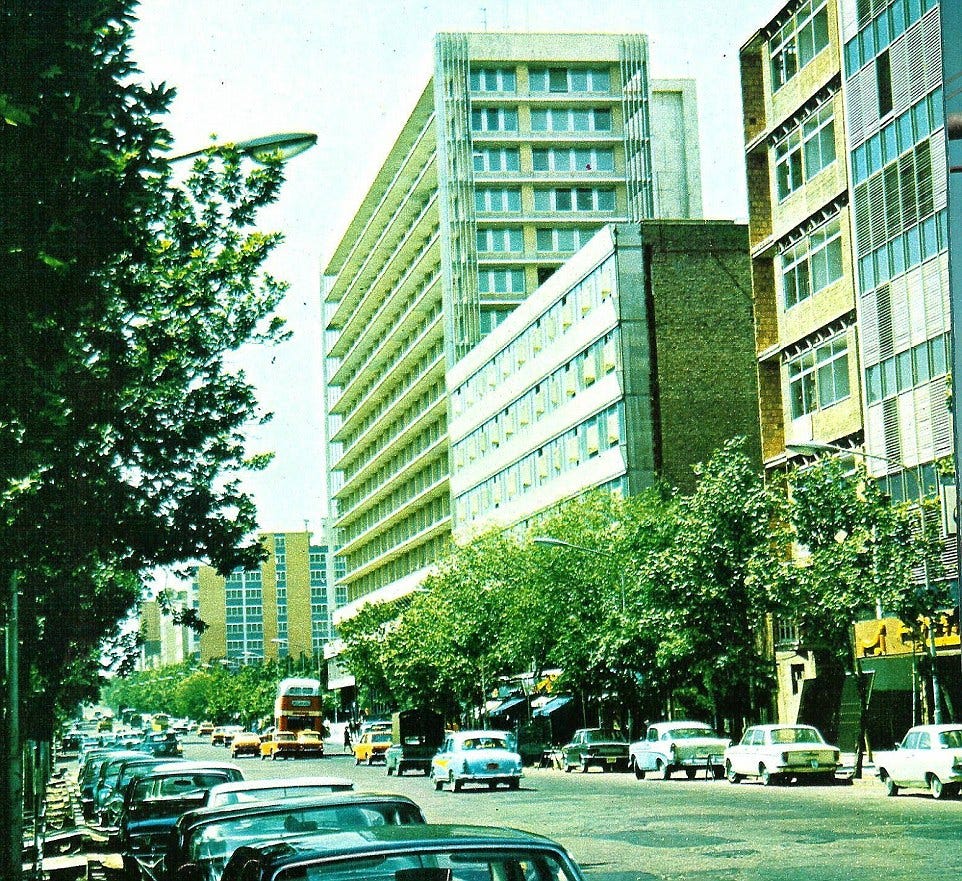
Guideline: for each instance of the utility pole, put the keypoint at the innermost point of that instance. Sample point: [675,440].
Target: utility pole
[11,777]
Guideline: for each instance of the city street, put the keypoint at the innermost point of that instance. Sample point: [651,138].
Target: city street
[621,829]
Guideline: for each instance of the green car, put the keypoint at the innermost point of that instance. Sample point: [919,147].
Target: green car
[595,746]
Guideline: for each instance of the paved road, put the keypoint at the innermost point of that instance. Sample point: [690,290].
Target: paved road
[621,829]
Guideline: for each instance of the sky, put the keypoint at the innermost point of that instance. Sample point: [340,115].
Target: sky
[351,71]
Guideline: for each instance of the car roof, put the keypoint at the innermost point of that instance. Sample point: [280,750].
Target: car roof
[259,808]
[950,726]
[279,783]
[386,839]
[182,767]
[772,727]
[680,723]
[481,732]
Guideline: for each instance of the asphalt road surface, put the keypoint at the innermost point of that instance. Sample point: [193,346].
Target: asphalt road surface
[621,829]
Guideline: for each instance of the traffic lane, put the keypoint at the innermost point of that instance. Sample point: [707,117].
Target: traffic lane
[621,829]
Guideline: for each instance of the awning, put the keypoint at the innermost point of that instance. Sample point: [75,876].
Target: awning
[556,703]
[505,706]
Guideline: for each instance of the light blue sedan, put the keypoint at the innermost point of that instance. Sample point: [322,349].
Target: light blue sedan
[476,757]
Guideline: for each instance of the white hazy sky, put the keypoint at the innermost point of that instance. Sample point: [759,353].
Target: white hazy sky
[351,71]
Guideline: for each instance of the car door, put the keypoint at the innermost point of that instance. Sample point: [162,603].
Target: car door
[441,759]
[920,757]
[906,761]
[576,749]
[646,756]
[742,757]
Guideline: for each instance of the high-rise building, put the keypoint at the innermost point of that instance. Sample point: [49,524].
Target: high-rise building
[519,149]
[846,161]
[165,639]
[280,609]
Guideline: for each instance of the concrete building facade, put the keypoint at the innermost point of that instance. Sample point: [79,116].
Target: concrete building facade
[630,364]
[280,609]
[519,149]
[846,165]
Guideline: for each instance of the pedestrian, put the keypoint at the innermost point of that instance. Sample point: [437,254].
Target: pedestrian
[347,739]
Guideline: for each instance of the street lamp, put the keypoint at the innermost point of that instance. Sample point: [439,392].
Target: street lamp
[286,145]
[549,542]
[816,447]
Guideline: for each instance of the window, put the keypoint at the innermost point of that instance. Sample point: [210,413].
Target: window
[494,119]
[580,159]
[570,120]
[582,198]
[559,79]
[492,159]
[883,79]
[499,240]
[493,79]
[497,199]
[500,281]
[812,264]
[805,151]
[819,378]
[564,240]
[797,42]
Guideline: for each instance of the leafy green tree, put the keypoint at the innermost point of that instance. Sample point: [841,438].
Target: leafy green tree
[712,608]
[858,551]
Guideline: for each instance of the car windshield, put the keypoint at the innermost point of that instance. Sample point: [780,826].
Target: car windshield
[687,733]
[274,793]
[381,738]
[600,736]
[178,785]
[494,863]
[951,739]
[212,845]
[486,742]
[796,735]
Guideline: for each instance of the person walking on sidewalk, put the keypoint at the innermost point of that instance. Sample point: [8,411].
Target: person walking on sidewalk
[347,739]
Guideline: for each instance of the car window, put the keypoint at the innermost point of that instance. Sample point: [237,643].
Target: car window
[925,740]
[911,740]
[750,737]
[652,734]
[688,733]
[600,736]
[951,739]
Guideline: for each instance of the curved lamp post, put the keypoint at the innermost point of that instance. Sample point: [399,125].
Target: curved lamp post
[816,447]
[285,144]
[549,542]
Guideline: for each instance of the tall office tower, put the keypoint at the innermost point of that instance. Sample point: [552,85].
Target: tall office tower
[519,149]
[280,609]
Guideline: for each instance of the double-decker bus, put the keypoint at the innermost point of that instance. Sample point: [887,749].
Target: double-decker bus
[298,705]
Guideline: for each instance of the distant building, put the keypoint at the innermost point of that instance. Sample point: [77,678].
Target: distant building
[520,148]
[280,609]
[164,640]
[633,362]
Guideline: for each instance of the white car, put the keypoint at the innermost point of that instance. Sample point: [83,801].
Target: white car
[275,788]
[929,757]
[677,746]
[486,757]
[776,753]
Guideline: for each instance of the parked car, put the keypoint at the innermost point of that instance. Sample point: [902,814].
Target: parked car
[247,743]
[106,780]
[929,757]
[153,803]
[420,853]
[371,747]
[485,757]
[108,812]
[203,840]
[247,791]
[162,743]
[416,735]
[678,746]
[777,753]
[595,746]
[205,729]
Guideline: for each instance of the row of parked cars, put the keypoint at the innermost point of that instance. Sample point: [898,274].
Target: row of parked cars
[929,756]
[201,821]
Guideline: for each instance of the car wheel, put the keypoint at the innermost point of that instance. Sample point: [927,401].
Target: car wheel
[357,761]
[768,779]
[937,788]
[663,770]
[717,772]
[891,789]
[639,774]
[274,757]
[456,784]
[568,768]
[438,784]
[492,785]
[690,773]
[584,766]
[731,775]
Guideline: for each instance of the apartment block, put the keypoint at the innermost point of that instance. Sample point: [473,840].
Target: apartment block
[634,361]
[847,174]
[519,149]
[280,609]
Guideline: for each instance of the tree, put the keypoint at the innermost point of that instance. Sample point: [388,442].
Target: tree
[857,552]
[121,421]
[712,607]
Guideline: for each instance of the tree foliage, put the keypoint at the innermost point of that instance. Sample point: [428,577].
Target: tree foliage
[121,420]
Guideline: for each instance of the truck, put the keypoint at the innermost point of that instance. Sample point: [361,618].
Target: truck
[416,735]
